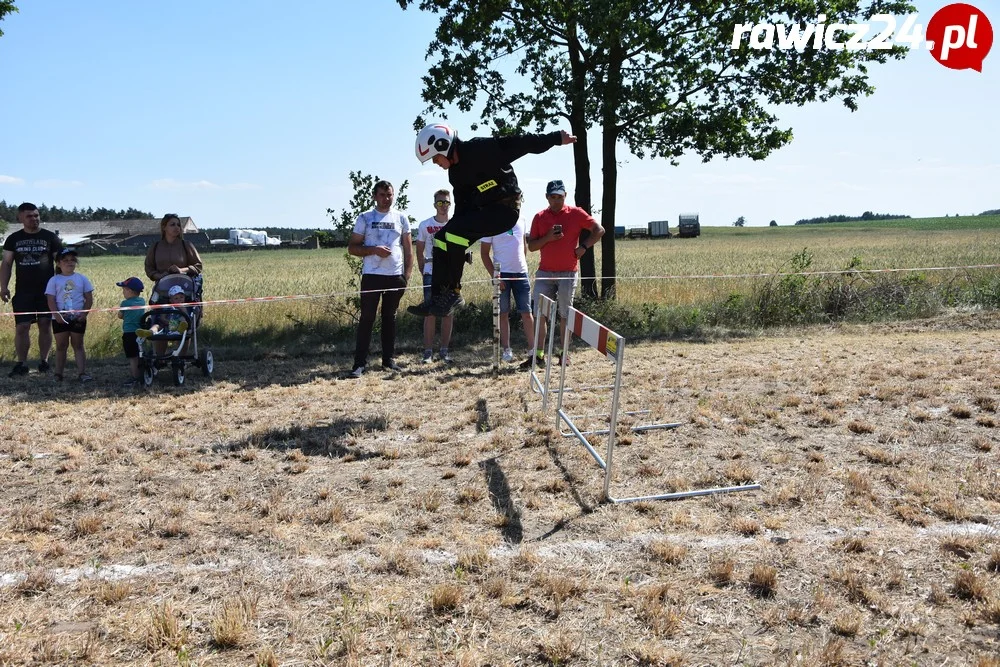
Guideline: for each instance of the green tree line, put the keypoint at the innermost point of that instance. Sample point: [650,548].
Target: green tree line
[867,215]
[8,212]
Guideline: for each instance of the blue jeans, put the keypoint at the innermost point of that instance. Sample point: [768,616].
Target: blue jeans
[516,284]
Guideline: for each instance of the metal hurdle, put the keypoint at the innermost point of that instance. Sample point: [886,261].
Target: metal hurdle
[544,307]
[496,319]
[610,344]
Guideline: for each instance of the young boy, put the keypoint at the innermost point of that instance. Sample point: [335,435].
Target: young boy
[169,322]
[131,289]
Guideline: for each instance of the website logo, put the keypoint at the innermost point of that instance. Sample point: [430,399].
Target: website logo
[959,36]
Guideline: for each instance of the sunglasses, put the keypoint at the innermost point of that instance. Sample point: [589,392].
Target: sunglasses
[442,204]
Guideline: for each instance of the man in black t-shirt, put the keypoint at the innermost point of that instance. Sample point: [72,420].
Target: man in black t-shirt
[33,250]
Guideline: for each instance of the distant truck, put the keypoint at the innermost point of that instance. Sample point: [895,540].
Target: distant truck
[252,237]
[658,229]
[688,226]
[619,231]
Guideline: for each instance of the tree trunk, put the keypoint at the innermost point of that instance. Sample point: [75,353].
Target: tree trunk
[609,164]
[582,197]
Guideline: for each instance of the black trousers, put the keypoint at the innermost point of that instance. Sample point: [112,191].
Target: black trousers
[461,232]
[388,289]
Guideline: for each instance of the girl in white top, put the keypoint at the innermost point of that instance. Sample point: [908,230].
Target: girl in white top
[69,291]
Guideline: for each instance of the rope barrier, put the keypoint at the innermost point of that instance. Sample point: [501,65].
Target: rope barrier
[489,281]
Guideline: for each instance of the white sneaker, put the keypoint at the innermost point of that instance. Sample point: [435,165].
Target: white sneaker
[508,355]
[444,356]
[428,357]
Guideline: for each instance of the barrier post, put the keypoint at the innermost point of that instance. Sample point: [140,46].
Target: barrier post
[496,319]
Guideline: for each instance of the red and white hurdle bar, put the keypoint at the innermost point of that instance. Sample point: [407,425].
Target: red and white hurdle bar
[612,346]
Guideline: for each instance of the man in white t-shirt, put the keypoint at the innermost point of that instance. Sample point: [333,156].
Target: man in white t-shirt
[381,237]
[425,256]
[509,253]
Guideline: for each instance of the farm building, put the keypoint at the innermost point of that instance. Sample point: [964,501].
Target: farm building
[121,235]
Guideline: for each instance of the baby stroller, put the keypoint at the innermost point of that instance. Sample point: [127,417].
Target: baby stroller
[181,342]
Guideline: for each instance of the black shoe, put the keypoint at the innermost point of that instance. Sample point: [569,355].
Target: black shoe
[19,369]
[423,310]
[391,366]
[446,303]
[526,364]
[468,258]
[43,366]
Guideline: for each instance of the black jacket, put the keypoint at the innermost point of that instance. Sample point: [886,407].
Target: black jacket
[483,174]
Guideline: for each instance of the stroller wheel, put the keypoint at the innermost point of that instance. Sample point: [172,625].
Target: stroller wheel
[207,363]
[148,373]
[179,374]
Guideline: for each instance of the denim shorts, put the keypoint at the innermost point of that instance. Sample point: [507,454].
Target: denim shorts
[427,288]
[516,284]
[558,286]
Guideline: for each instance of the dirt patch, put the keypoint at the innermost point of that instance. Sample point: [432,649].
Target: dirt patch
[282,515]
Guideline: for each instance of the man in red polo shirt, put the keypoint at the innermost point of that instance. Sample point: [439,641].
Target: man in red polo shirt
[555,231]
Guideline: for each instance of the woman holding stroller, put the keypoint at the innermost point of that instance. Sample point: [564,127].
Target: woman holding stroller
[172,254]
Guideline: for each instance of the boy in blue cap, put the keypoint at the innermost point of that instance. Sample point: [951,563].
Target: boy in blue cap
[131,290]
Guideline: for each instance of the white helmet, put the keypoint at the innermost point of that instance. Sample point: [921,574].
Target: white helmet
[436,139]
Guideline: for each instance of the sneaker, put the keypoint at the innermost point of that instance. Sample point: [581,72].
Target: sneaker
[444,356]
[143,333]
[526,364]
[84,378]
[468,258]
[58,377]
[356,372]
[428,357]
[43,366]
[446,303]
[508,355]
[19,369]
[391,365]
[423,309]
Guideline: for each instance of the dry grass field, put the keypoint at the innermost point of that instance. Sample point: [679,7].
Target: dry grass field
[280,515]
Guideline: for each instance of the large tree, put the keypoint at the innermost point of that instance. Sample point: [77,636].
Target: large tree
[659,76]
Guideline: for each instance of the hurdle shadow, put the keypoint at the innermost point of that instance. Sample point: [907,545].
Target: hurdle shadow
[324,439]
[499,488]
[568,477]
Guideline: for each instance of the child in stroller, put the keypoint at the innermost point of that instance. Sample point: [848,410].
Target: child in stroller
[169,335]
[168,323]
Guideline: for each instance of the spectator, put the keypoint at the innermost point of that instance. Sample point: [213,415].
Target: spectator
[425,254]
[555,231]
[131,319]
[172,254]
[32,250]
[508,251]
[69,291]
[382,238]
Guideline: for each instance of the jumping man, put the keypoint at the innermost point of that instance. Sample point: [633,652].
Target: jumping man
[487,199]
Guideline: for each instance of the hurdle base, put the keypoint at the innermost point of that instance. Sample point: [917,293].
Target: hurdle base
[680,495]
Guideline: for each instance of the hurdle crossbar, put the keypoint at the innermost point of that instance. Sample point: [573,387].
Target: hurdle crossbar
[612,346]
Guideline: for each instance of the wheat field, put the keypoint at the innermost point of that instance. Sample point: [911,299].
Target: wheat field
[667,271]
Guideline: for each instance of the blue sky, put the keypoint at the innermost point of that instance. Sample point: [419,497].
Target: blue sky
[251,113]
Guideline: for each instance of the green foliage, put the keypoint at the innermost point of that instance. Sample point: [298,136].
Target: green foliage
[343,225]
[8,212]
[866,216]
[6,7]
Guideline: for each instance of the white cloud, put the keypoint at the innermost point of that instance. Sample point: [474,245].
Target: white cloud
[172,184]
[55,183]
[11,180]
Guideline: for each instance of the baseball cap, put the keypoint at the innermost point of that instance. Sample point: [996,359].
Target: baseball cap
[555,188]
[175,290]
[68,250]
[132,283]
